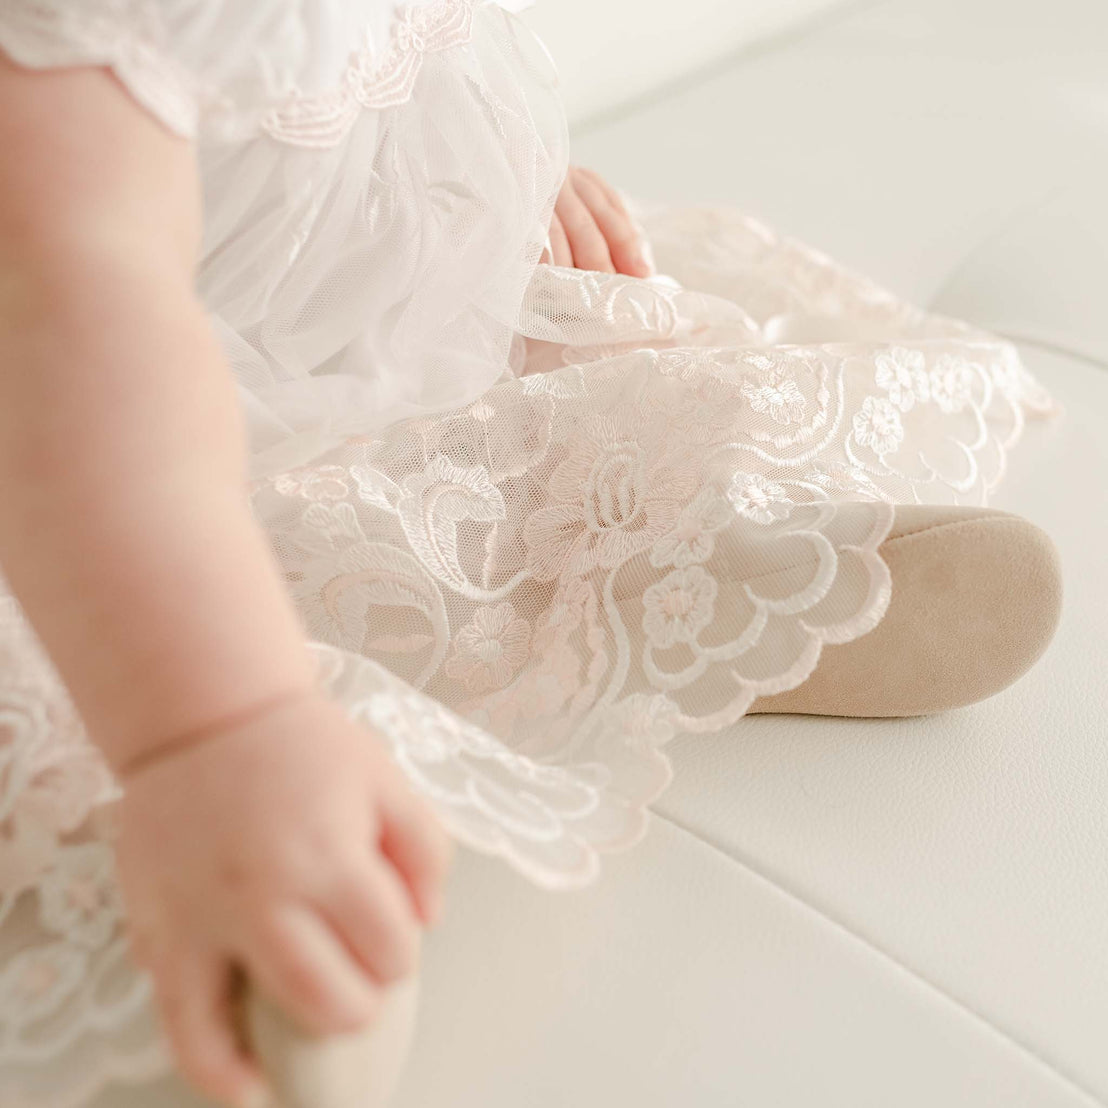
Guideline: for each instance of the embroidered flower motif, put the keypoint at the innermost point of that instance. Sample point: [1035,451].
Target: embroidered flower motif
[691,539]
[776,395]
[903,374]
[372,80]
[839,477]
[561,384]
[434,502]
[481,410]
[878,425]
[78,898]
[24,724]
[759,499]
[952,382]
[488,651]
[646,719]
[426,733]
[50,775]
[707,410]
[1009,376]
[37,982]
[26,851]
[610,502]
[679,606]
[408,39]
[340,582]
[317,483]
[688,362]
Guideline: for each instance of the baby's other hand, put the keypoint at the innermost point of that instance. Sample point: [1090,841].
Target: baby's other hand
[592,228]
[288,847]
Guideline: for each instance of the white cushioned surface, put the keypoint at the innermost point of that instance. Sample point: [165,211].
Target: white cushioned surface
[612,52]
[831,912]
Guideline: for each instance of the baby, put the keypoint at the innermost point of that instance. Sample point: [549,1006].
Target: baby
[281,382]
[259,832]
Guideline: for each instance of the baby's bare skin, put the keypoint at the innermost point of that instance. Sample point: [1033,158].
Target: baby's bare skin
[261,830]
[592,228]
[305,860]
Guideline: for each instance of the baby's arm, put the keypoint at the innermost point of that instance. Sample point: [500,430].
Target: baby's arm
[125,530]
[259,827]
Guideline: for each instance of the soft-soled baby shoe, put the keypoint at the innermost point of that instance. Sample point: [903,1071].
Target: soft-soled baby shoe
[976,597]
[356,1070]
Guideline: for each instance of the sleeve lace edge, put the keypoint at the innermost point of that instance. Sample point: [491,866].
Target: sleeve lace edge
[41,35]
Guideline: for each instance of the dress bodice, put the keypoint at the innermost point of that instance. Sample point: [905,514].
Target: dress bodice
[378,181]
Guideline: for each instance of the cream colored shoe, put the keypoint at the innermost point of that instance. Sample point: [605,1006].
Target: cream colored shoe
[975,601]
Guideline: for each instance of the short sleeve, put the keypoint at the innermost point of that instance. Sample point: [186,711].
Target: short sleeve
[181,60]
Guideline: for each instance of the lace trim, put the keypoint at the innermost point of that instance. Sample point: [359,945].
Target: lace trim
[372,81]
[40,33]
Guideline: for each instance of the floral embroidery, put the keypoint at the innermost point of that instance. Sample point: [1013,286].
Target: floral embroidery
[878,425]
[649,720]
[78,897]
[706,412]
[839,477]
[488,651]
[36,982]
[952,382]
[324,483]
[433,503]
[691,539]
[758,499]
[373,81]
[776,395]
[903,374]
[611,500]
[679,607]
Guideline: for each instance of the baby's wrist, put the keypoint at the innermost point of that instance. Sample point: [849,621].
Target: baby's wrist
[128,765]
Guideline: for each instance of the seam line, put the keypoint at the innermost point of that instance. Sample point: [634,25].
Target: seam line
[881,953]
[1055,348]
[715,67]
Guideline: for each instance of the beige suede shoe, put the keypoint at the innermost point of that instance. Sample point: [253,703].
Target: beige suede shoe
[976,599]
[358,1070]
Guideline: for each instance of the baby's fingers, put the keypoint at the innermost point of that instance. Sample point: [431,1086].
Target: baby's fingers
[615,223]
[413,840]
[300,964]
[560,251]
[590,250]
[373,914]
[194,995]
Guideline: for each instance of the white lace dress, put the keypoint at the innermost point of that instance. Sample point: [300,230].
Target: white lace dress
[537,520]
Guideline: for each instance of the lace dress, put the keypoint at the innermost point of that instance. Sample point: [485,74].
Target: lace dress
[538,521]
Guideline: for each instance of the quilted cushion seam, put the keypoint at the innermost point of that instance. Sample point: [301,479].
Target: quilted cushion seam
[885,955]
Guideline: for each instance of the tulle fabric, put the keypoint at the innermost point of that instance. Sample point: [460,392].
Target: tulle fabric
[537,521]
[365,250]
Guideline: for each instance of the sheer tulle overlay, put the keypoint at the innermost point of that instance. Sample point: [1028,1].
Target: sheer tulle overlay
[538,521]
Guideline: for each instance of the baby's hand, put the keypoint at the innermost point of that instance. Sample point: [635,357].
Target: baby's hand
[592,228]
[288,846]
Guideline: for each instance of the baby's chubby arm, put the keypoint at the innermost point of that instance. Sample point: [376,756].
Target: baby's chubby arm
[125,530]
[259,828]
